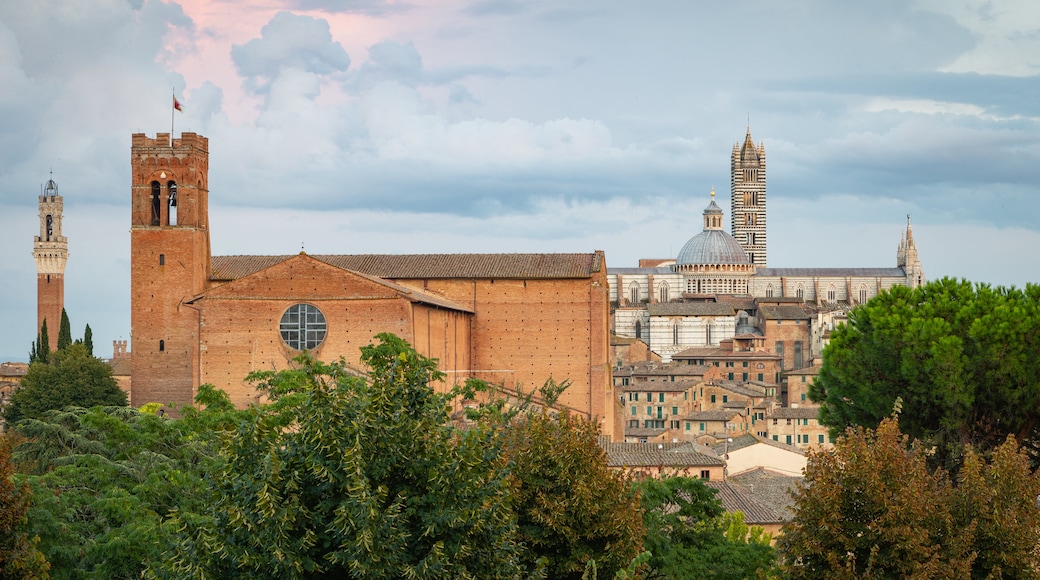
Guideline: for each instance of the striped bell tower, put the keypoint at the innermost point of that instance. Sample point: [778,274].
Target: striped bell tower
[748,198]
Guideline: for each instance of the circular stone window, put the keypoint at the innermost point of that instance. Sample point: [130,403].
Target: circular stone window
[302,327]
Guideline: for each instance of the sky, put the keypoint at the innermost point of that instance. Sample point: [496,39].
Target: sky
[457,126]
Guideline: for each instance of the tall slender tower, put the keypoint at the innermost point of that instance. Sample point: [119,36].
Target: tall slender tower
[169,264]
[748,198]
[907,258]
[51,252]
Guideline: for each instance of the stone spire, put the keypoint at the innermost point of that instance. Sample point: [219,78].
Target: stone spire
[748,198]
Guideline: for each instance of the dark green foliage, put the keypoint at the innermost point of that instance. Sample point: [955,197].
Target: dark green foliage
[71,378]
[343,477]
[41,349]
[689,535]
[19,556]
[105,479]
[88,340]
[872,509]
[571,507]
[64,332]
[962,358]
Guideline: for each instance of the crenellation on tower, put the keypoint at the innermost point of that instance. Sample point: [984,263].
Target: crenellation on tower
[51,253]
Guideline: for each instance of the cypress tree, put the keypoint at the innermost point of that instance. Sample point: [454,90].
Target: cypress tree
[64,332]
[88,340]
[43,345]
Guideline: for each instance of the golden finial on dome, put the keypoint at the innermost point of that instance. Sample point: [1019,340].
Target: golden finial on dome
[713,192]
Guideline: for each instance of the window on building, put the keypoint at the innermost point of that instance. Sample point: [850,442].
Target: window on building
[675,333]
[649,410]
[862,294]
[702,426]
[162,259]
[713,398]
[633,410]
[675,410]
[624,383]
[788,421]
[687,425]
[660,397]
[633,293]
[707,336]
[775,438]
[725,398]
[832,294]
[743,376]
[803,396]
[660,412]
[769,291]
[799,292]
[779,349]
[156,203]
[797,354]
[639,329]
[729,376]
[162,345]
[760,376]
[788,438]
[171,187]
[705,474]
[302,327]
[662,293]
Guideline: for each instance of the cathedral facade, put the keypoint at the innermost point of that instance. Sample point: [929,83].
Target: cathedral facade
[510,319]
[711,291]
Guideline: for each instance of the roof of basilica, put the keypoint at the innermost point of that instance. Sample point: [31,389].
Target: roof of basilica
[415,266]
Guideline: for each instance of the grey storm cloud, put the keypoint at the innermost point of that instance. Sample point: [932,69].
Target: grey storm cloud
[390,61]
[289,41]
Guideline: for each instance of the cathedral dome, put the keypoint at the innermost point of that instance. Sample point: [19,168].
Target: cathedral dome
[712,246]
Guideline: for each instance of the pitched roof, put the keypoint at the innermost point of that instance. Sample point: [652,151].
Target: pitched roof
[699,352]
[786,312]
[747,440]
[809,371]
[658,386]
[794,413]
[832,272]
[712,415]
[691,309]
[657,454]
[736,499]
[769,487]
[415,266]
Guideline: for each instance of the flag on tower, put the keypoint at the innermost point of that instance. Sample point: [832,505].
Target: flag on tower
[177,104]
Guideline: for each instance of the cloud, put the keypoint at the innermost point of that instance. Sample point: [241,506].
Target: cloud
[367,7]
[289,42]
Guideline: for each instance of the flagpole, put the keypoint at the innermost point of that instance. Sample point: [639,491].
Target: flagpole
[173,109]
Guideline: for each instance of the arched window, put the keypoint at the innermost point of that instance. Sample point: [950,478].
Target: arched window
[769,291]
[862,294]
[633,293]
[832,294]
[162,259]
[50,227]
[780,351]
[675,333]
[162,345]
[156,212]
[171,187]
[707,335]
[799,292]
[639,329]
[662,293]
[798,354]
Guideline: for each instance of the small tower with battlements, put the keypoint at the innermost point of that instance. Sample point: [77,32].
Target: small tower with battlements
[51,252]
[748,198]
[169,263]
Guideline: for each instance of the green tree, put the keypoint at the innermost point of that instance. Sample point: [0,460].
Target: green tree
[960,357]
[72,378]
[64,332]
[88,340]
[41,349]
[571,508]
[344,476]
[872,509]
[690,536]
[19,556]
[107,478]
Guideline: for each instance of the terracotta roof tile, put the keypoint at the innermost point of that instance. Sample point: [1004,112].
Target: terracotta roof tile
[657,454]
[783,312]
[736,499]
[691,309]
[415,266]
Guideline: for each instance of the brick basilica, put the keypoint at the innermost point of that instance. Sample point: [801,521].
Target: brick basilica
[515,319]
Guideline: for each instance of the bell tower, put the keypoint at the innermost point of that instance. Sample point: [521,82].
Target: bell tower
[748,198]
[51,252]
[169,264]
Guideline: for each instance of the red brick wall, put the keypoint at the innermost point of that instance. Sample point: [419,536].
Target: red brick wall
[50,299]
